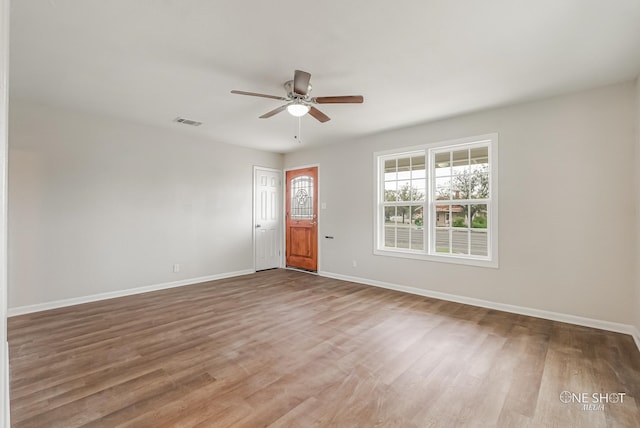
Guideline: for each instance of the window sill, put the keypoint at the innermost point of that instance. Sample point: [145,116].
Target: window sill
[444,258]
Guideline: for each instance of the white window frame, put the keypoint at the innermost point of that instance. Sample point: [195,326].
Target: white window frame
[429,253]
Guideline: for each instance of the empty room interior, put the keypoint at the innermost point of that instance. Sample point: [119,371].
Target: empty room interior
[292,213]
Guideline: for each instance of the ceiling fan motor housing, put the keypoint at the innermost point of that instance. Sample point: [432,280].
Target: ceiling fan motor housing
[288,87]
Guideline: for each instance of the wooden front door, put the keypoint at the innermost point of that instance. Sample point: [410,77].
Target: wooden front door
[302,218]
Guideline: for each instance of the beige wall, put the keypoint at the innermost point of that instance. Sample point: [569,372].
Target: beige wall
[637,254]
[572,154]
[4,94]
[98,205]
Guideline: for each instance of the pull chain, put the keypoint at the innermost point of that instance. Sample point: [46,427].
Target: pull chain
[299,136]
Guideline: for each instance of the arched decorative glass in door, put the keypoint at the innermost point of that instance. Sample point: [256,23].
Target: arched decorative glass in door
[302,198]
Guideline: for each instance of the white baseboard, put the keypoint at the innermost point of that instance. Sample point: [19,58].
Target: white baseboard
[521,310]
[538,313]
[21,310]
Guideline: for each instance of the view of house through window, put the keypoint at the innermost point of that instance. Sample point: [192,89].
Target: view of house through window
[460,206]
[437,200]
[404,196]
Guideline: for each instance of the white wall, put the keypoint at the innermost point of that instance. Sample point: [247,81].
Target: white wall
[99,205]
[566,206]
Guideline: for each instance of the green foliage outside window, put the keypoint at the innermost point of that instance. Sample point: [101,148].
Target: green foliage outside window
[479,222]
[459,222]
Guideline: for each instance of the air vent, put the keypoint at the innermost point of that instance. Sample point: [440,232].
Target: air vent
[187,121]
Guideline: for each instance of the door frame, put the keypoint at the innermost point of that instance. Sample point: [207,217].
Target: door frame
[284,220]
[281,248]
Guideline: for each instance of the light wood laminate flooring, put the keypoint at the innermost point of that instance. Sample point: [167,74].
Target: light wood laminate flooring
[287,349]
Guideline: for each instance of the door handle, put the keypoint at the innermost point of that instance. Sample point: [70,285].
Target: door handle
[257,226]
[313,223]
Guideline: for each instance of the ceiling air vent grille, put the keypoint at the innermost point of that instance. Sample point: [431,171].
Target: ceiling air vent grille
[187,121]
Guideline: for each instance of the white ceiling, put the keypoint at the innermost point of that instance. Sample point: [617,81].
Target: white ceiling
[414,61]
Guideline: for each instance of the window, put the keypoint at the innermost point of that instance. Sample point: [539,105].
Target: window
[439,202]
[403,201]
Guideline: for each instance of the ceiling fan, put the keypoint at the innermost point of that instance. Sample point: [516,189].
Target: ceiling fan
[299,100]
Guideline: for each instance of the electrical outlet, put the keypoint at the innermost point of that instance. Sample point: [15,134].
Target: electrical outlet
[176,268]
[354,263]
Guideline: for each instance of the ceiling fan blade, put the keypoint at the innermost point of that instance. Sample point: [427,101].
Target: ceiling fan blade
[320,116]
[273,112]
[345,99]
[301,82]
[255,94]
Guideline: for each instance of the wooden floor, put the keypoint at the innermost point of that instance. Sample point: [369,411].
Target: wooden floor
[283,348]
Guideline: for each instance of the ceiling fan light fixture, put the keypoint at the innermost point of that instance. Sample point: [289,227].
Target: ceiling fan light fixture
[298,109]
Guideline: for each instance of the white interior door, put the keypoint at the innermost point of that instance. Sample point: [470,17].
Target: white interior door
[267,185]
